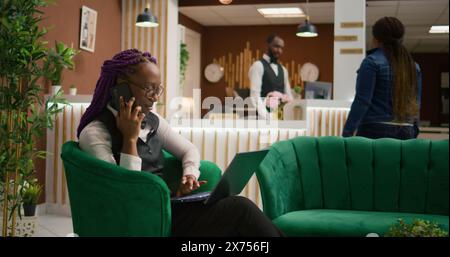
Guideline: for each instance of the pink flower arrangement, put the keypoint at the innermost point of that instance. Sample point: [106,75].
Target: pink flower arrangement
[275,99]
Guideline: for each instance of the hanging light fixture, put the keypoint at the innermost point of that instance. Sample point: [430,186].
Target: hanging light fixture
[225,1]
[147,19]
[306,29]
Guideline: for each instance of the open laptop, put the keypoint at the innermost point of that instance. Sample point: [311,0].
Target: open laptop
[233,181]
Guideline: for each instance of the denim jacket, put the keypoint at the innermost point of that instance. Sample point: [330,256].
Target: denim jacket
[373,99]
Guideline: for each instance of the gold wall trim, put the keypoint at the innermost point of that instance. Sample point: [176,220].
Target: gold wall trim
[357,24]
[351,51]
[345,38]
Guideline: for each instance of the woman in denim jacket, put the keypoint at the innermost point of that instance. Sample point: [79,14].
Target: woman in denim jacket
[388,88]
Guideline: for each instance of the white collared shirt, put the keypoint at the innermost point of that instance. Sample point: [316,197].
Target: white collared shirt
[255,75]
[96,140]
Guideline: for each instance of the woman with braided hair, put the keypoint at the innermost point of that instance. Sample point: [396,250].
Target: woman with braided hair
[388,87]
[132,136]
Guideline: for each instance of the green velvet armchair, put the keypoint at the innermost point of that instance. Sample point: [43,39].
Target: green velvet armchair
[108,200]
[331,186]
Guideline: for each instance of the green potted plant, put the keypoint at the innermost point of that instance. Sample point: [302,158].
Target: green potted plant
[24,113]
[30,196]
[184,58]
[298,91]
[73,90]
[418,228]
[56,60]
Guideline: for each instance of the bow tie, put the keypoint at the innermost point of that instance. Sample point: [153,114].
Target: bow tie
[152,122]
[145,121]
[274,61]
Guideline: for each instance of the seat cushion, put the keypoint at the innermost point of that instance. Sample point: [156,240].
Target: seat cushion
[328,222]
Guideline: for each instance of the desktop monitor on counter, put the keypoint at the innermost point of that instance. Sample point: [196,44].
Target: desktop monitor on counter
[318,90]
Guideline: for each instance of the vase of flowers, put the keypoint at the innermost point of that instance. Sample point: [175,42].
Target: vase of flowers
[275,102]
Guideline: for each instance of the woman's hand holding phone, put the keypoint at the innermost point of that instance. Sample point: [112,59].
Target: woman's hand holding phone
[129,121]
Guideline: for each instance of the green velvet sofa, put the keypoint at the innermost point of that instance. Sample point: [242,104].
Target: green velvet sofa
[108,200]
[332,186]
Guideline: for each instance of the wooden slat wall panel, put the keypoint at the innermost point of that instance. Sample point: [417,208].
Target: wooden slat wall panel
[152,40]
[236,67]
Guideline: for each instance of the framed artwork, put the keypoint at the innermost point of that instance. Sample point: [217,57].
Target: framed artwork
[88,28]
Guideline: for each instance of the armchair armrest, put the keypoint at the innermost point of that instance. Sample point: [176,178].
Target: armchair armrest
[173,171]
[108,200]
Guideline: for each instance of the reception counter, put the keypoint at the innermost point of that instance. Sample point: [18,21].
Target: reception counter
[322,117]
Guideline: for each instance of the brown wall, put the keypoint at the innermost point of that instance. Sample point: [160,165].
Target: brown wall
[64,20]
[432,64]
[219,41]
[64,17]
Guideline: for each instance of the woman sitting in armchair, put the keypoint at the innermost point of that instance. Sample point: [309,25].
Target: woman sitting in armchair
[129,134]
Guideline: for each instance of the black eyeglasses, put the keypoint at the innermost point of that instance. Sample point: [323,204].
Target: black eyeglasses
[152,90]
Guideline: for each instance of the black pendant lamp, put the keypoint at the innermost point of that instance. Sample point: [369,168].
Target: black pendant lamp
[306,29]
[147,19]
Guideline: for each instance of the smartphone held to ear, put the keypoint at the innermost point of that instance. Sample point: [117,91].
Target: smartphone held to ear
[120,90]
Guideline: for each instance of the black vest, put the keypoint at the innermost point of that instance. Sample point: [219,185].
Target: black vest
[270,81]
[150,152]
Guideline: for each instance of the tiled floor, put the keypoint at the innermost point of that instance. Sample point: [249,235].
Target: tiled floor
[54,226]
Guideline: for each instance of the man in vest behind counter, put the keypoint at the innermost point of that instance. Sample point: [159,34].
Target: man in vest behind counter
[269,80]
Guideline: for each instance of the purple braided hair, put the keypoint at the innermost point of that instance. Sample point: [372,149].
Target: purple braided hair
[119,65]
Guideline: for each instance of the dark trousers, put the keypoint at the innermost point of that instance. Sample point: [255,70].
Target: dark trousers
[380,130]
[233,216]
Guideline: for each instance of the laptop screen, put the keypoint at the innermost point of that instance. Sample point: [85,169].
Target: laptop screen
[240,170]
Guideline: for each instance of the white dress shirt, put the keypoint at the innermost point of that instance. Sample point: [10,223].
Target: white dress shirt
[96,140]
[255,75]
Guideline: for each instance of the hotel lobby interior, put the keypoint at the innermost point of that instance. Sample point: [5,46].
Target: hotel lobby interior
[296,166]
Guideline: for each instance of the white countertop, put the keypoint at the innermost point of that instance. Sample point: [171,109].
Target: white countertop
[316,103]
[238,124]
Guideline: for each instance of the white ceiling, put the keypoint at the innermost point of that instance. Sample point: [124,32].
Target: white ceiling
[416,15]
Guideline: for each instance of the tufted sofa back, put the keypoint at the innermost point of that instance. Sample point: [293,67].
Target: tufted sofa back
[355,174]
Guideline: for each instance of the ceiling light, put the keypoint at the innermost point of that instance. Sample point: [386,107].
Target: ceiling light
[291,12]
[306,29]
[146,19]
[225,1]
[439,29]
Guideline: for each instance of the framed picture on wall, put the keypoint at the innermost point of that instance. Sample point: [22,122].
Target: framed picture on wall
[88,28]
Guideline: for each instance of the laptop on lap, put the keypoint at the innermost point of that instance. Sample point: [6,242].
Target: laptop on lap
[233,180]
